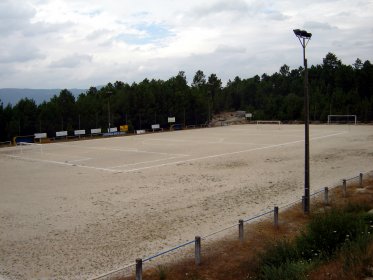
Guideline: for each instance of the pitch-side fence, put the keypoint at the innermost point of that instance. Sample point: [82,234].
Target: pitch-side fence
[137,266]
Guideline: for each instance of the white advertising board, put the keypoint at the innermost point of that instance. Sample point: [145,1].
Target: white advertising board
[61,133]
[156,126]
[249,115]
[95,130]
[79,132]
[141,131]
[40,135]
[112,129]
[171,119]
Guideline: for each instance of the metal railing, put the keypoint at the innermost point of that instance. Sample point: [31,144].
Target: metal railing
[139,262]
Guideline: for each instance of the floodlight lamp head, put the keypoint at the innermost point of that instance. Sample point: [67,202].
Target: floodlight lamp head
[305,34]
[297,32]
[302,34]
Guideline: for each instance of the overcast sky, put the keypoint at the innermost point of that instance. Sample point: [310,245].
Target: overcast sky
[83,43]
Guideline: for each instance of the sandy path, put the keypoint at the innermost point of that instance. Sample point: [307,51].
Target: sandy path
[60,221]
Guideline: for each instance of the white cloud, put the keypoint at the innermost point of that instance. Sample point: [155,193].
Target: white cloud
[82,43]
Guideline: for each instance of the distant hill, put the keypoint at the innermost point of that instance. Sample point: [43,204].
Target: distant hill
[13,95]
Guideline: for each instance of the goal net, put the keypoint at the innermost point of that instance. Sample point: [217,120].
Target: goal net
[29,148]
[342,119]
[272,124]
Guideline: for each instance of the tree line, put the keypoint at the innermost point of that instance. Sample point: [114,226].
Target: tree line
[335,88]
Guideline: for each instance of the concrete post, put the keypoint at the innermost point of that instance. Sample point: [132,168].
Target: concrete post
[138,269]
[276,216]
[197,250]
[326,196]
[361,180]
[344,188]
[240,230]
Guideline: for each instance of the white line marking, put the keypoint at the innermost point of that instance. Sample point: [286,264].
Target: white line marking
[231,153]
[242,143]
[81,159]
[127,150]
[65,163]
[177,162]
[220,140]
[143,162]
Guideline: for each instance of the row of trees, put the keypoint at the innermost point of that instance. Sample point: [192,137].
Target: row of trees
[334,88]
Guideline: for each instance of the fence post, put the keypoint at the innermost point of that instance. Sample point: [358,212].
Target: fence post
[197,250]
[138,269]
[240,230]
[276,216]
[326,196]
[344,187]
[303,201]
[361,180]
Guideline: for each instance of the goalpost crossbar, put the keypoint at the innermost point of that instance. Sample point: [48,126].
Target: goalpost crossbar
[346,118]
[268,122]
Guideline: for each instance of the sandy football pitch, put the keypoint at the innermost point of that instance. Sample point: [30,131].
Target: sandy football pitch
[77,209]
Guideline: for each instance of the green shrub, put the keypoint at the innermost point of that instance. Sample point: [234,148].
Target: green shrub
[193,276]
[354,254]
[327,232]
[162,272]
[278,253]
[286,271]
[356,208]
[346,231]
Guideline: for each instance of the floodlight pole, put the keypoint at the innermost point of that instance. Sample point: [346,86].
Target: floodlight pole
[108,108]
[304,38]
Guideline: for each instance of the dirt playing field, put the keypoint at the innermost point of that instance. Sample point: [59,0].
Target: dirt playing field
[73,210]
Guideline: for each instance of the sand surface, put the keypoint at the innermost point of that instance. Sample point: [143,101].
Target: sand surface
[75,210]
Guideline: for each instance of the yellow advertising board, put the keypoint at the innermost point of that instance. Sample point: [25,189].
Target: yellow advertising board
[123,128]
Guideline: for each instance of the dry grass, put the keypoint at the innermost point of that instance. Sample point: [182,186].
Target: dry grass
[230,259]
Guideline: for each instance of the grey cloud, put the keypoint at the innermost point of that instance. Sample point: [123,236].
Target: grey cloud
[314,25]
[230,49]
[14,16]
[40,28]
[238,10]
[97,34]
[19,53]
[344,14]
[71,61]
[276,15]
[221,7]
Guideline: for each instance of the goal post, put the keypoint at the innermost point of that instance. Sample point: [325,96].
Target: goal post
[272,124]
[26,147]
[342,119]
[269,122]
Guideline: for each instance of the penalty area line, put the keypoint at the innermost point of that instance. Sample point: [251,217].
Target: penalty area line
[65,163]
[143,162]
[228,154]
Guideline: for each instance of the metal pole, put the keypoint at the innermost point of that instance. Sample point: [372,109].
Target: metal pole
[306,136]
[108,108]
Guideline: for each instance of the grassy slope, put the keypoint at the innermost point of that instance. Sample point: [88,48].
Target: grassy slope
[231,259]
